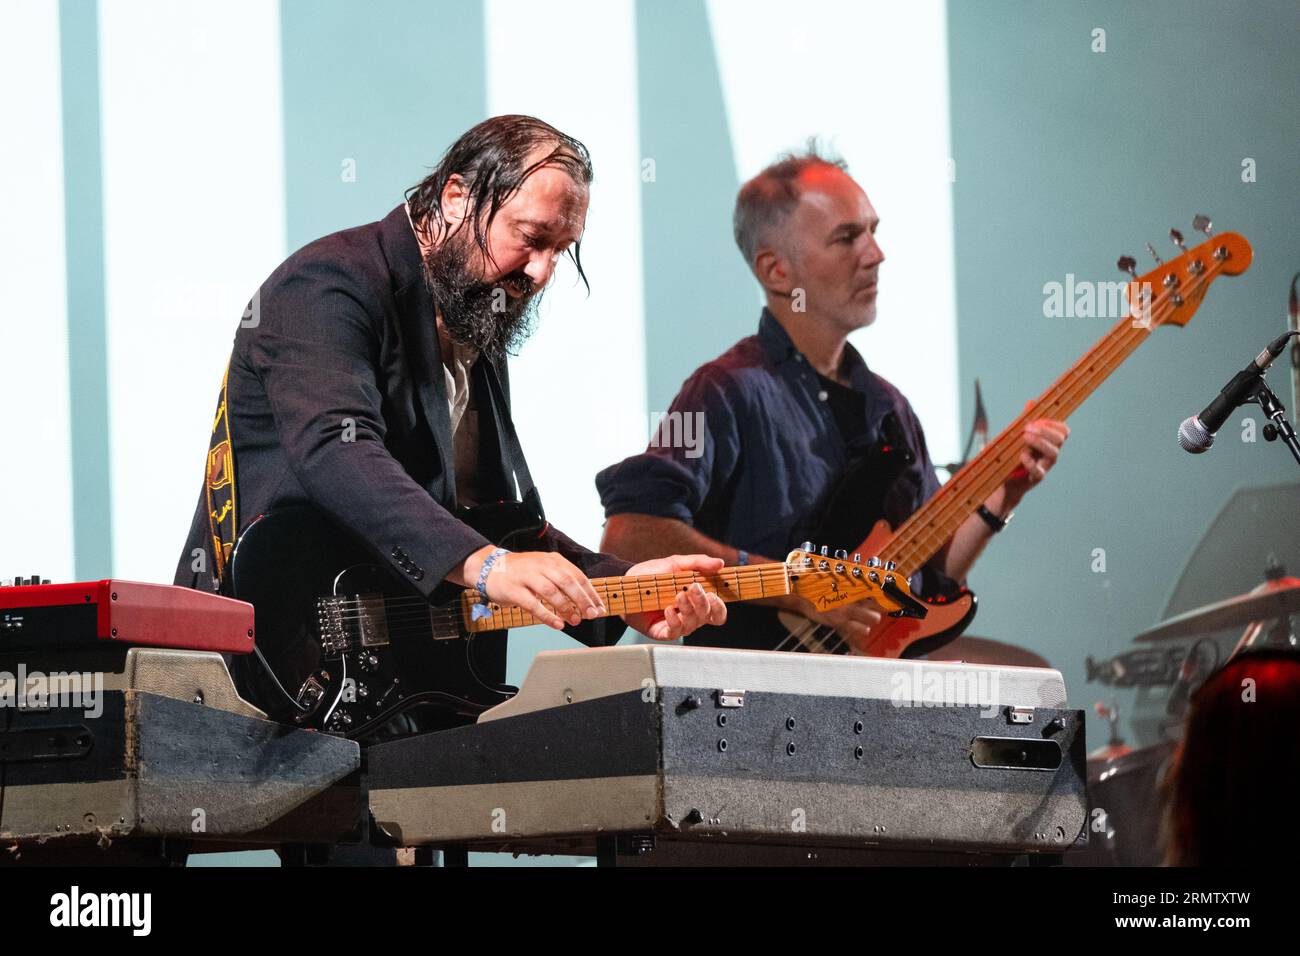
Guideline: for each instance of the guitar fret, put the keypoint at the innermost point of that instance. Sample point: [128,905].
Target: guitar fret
[651,592]
[919,538]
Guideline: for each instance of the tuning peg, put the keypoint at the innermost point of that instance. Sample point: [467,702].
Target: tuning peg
[825,551]
[891,566]
[1128,264]
[857,558]
[1177,237]
[806,546]
[873,562]
[1155,255]
[841,554]
[1201,223]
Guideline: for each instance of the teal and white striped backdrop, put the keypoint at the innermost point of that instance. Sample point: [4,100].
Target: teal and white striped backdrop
[165,156]
[160,158]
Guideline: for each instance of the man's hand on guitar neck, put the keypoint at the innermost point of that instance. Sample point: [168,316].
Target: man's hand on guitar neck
[634,535]
[693,608]
[537,581]
[544,582]
[1043,438]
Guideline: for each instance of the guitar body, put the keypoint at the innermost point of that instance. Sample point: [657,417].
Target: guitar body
[350,642]
[948,615]
[853,513]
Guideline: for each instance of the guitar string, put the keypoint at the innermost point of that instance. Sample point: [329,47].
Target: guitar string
[1123,347]
[418,620]
[679,581]
[419,623]
[1106,356]
[447,614]
[430,615]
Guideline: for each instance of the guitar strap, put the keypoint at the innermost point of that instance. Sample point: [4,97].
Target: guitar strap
[219,485]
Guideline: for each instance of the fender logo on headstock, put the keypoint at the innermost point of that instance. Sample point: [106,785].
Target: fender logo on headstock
[835,597]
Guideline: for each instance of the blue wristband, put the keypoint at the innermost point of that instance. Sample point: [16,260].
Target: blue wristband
[490,560]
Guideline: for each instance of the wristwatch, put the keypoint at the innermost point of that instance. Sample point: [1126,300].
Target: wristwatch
[992,520]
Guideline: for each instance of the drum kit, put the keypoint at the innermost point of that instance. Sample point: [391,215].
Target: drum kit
[1125,785]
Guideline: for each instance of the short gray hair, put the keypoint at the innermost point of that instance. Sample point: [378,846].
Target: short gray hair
[766,201]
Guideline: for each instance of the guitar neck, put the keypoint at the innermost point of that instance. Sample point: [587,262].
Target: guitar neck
[920,537]
[644,592]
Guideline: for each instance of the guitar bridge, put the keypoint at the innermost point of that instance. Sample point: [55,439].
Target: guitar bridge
[329,627]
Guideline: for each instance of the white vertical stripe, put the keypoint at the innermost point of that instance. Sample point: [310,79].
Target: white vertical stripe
[36,476]
[578,386]
[194,220]
[871,78]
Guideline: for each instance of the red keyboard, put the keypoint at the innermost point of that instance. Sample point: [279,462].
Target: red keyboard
[128,612]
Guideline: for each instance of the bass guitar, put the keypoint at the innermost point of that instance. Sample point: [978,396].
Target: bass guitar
[1170,294]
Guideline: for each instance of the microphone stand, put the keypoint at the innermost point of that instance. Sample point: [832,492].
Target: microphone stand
[1278,424]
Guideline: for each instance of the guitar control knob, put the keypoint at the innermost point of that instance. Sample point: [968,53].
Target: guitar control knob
[368,662]
[362,691]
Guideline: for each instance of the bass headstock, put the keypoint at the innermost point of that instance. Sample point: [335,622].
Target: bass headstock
[1171,293]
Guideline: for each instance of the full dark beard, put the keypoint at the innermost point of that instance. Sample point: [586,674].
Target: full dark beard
[478,315]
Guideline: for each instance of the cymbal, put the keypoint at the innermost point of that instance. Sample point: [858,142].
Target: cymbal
[982,650]
[1233,612]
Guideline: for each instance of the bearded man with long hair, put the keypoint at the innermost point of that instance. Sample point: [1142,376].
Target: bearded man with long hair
[368,379]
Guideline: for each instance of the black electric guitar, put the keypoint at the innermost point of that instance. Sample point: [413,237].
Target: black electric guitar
[345,645]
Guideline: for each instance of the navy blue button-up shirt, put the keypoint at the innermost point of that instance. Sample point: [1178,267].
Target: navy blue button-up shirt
[773,449]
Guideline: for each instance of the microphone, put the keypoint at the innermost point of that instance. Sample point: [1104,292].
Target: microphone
[1196,434]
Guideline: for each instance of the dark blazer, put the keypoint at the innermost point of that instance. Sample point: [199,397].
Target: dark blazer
[344,331]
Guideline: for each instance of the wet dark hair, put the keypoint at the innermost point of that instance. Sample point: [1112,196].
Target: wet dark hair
[1232,785]
[493,160]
